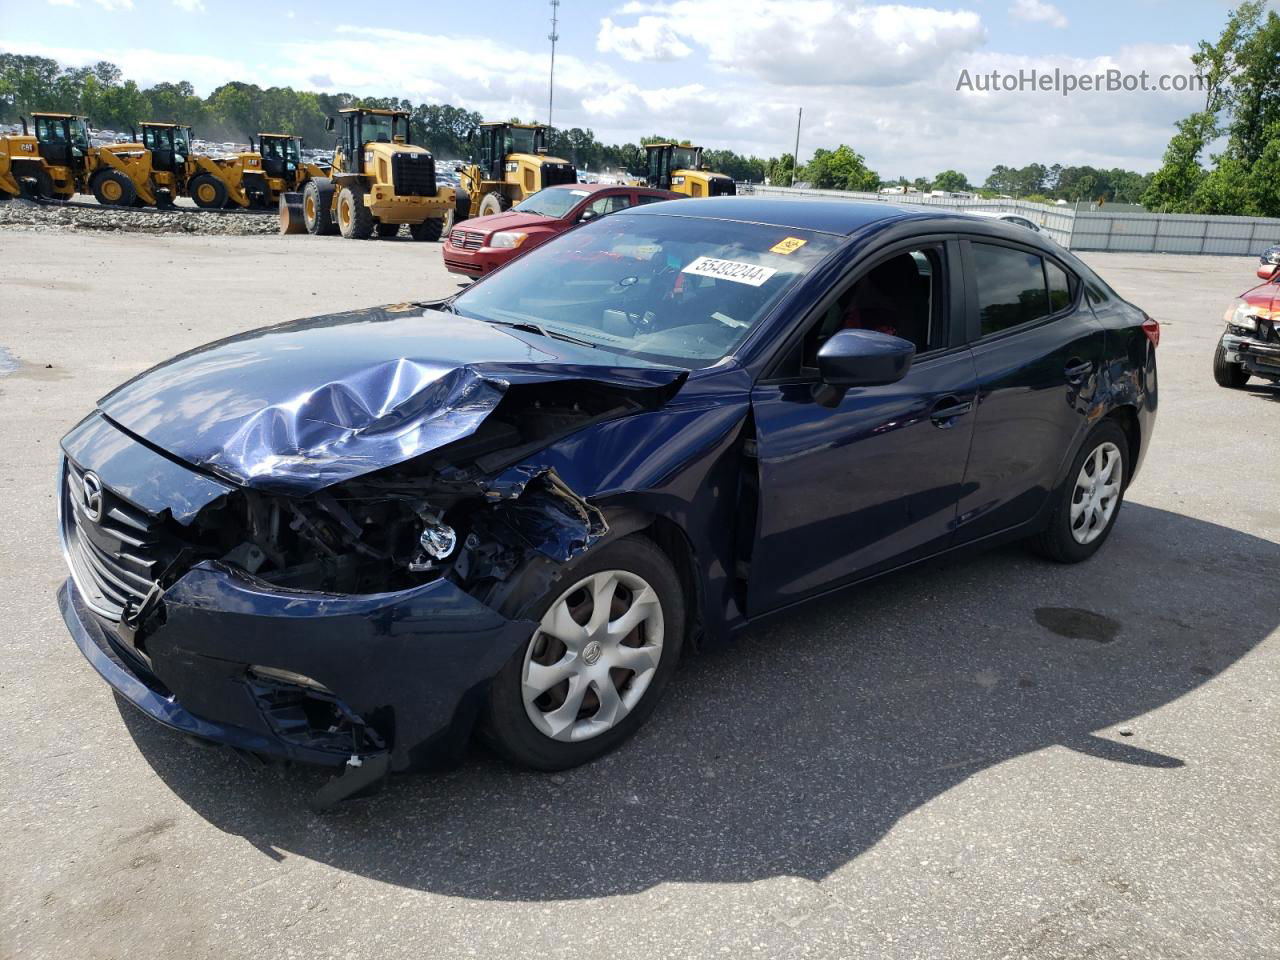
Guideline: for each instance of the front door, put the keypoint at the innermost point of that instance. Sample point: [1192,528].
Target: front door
[851,485]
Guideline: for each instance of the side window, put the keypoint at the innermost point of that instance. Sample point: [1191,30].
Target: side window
[1059,286]
[644,198]
[610,204]
[903,296]
[1011,287]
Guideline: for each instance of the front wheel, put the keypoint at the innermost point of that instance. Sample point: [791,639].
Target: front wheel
[597,664]
[208,191]
[1089,502]
[427,230]
[493,203]
[1227,374]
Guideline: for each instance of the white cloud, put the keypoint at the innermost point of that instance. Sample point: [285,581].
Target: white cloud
[814,41]
[652,38]
[111,6]
[1037,11]
[190,6]
[63,3]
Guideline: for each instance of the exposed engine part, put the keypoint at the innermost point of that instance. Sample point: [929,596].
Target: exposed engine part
[438,540]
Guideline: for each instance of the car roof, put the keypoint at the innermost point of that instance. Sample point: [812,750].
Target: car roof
[824,216]
[597,187]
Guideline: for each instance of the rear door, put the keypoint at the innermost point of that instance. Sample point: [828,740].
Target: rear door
[1038,351]
[854,483]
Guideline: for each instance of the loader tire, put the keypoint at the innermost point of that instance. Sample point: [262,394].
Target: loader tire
[317,207]
[292,219]
[38,184]
[112,188]
[208,191]
[386,231]
[428,230]
[492,203]
[355,221]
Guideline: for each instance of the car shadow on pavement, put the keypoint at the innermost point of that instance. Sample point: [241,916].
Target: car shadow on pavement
[798,746]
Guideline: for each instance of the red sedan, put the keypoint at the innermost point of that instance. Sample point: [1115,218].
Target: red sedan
[479,246]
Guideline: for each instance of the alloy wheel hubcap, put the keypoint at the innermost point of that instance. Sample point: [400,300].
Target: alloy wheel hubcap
[1097,492]
[593,657]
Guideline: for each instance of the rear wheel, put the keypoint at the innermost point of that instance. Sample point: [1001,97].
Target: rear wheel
[208,191]
[355,222]
[492,203]
[597,664]
[38,183]
[1089,502]
[113,188]
[387,230]
[317,207]
[427,230]
[1228,374]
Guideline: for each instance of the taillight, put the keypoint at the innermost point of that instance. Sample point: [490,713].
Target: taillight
[1152,329]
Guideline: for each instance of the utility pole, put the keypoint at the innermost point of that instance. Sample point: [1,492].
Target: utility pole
[795,156]
[553,37]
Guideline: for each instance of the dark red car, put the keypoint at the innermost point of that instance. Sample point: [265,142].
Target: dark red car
[479,246]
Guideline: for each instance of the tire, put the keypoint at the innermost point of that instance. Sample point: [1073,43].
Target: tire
[1068,539]
[317,207]
[113,188]
[386,231]
[208,192]
[1233,376]
[427,230]
[39,183]
[355,222]
[510,727]
[492,203]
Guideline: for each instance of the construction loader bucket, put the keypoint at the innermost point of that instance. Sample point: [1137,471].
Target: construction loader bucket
[291,219]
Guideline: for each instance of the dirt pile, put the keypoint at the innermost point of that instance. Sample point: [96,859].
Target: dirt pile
[26,215]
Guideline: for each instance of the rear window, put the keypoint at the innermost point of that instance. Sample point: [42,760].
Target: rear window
[1017,287]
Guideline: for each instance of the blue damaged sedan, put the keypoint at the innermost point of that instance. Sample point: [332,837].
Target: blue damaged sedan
[359,539]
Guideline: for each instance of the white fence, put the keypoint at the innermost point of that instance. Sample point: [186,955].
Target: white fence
[1096,228]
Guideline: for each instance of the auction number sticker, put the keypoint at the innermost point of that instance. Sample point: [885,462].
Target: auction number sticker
[789,245]
[753,275]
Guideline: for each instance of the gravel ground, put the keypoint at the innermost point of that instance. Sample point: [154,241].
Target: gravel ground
[25,215]
[994,758]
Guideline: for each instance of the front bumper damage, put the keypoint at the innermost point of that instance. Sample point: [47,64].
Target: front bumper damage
[379,682]
[1260,358]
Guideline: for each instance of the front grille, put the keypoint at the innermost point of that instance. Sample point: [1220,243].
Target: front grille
[413,174]
[116,558]
[554,174]
[466,239]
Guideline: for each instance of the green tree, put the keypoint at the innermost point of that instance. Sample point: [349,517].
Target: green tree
[952,181]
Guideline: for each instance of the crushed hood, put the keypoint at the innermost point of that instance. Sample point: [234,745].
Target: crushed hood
[296,407]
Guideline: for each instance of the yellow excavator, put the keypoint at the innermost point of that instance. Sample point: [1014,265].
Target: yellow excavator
[274,166]
[509,163]
[679,168]
[380,181]
[56,161]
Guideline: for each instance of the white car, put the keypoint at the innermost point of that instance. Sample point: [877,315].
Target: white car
[1015,219]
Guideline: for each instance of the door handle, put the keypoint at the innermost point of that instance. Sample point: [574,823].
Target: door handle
[1078,369]
[946,410]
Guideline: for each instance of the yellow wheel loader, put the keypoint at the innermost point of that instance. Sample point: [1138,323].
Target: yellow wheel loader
[178,171]
[275,166]
[680,169]
[57,161]
[379,182]
[508,164]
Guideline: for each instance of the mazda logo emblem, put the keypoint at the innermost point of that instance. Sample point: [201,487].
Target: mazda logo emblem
[91,496]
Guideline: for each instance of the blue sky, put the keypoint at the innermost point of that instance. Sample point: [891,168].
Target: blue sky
[878,76]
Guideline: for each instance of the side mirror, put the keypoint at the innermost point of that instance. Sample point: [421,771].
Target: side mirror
[1269,271]
[588,214]
[864,358]
[328,124]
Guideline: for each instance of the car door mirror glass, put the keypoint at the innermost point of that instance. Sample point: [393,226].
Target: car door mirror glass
[864,358]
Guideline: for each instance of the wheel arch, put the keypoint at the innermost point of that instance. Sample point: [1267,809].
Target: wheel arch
[1126,417]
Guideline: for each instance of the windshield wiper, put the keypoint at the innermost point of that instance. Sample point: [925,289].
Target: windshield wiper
[528,326]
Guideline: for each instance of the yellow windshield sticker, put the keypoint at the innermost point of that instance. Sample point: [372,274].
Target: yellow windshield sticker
[789,245]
